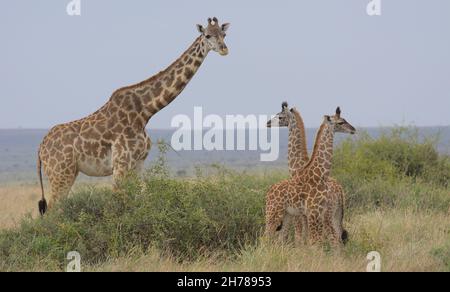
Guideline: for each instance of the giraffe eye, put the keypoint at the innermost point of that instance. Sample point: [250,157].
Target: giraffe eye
[208,36]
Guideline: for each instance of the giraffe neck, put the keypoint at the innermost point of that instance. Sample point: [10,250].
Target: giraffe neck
[147,98]
[319,166]
[297,149]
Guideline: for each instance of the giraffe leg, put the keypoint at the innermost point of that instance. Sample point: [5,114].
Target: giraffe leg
[339,218]
[123,163]
[274,223]
[301,229]
[275,209]
[61,184]
[57,160]
[337,195]
[333,227]
[286,228]
[129,156]
[315,229]
[121,168]
[147,145]
[274,220]
[331,230]
[340,235]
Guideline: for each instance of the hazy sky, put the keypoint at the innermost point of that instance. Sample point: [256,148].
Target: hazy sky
[316,54]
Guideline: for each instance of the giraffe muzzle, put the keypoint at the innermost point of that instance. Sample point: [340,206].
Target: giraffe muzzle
[223,51]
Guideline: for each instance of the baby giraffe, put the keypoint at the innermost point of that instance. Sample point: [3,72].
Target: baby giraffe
[298,157]
[305,194]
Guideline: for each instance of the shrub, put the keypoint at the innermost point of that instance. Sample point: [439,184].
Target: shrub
[397,169]
[396,153]
[186,218]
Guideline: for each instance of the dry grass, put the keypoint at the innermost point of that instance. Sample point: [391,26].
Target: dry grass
[17,201]
[21,198]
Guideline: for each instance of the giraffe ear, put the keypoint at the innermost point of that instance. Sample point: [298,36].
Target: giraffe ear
[225,27]
[200,28]
[327,118]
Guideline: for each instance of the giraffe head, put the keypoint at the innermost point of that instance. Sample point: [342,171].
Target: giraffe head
[283,118]
[214,35]
[339,124]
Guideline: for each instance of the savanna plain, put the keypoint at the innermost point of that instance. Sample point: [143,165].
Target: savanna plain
[397,203]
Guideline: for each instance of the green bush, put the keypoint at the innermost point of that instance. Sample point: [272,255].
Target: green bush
[395,170]
[185,218]
[397,153]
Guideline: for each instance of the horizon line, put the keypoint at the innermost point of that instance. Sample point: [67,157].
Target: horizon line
[173,129]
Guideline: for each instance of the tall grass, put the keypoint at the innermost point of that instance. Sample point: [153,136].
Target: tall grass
[214,222]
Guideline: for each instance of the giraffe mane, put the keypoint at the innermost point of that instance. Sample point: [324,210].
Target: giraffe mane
[316,145]
[157,75]
[301,128]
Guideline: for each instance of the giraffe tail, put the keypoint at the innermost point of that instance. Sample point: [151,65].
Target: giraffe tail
[344,236]
[280,226]
[43,202]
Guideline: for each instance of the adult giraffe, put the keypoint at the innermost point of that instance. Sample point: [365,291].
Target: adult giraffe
[113,140]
